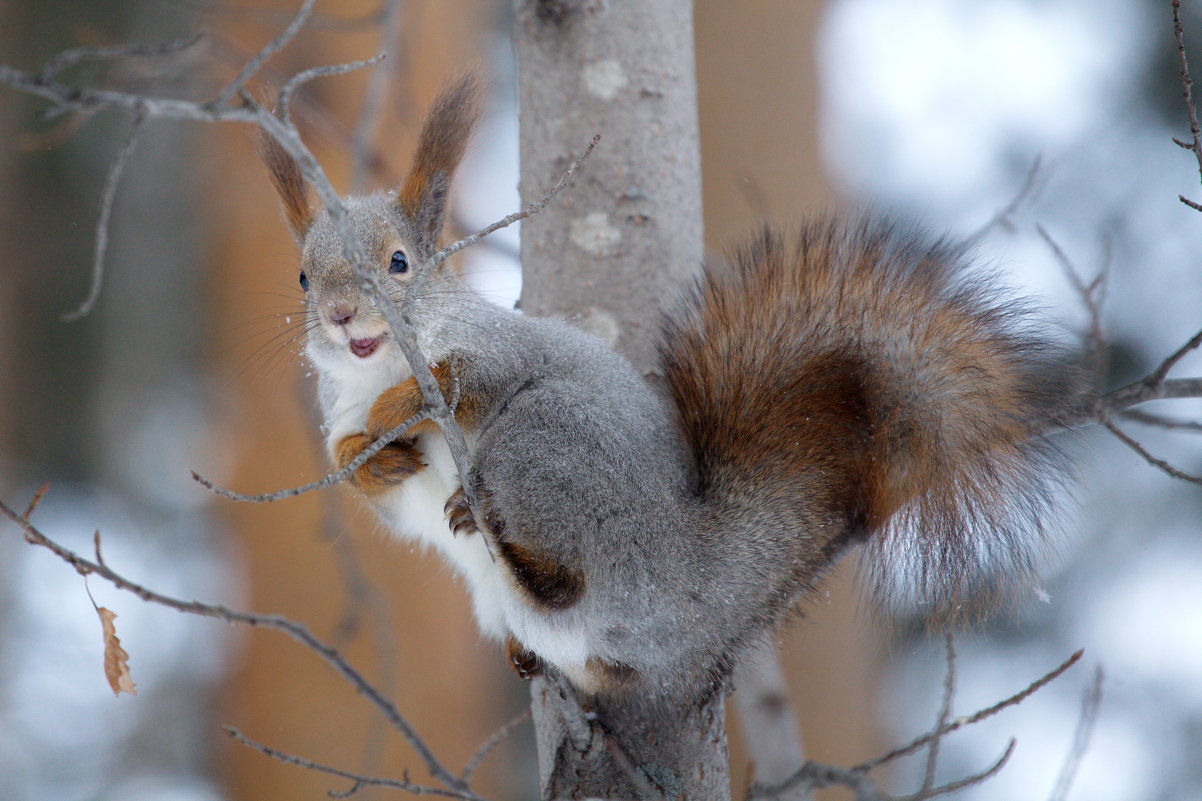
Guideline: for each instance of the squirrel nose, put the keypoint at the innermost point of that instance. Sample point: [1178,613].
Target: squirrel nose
[342,313]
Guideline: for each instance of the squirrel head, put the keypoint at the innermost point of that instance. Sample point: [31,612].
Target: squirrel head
[400,230]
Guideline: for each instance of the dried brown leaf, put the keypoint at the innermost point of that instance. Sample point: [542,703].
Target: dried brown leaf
[116,661]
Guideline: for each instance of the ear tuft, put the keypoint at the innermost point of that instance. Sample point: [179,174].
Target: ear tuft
[441,144]
[289,183]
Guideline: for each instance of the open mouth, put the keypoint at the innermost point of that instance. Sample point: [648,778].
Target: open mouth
[365,347]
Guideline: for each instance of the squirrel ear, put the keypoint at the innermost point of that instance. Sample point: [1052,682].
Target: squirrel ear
[290,184]
[441,145]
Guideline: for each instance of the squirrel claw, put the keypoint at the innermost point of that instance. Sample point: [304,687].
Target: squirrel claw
[525,663]
[459,514]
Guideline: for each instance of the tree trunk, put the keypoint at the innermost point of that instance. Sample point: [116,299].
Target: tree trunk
[606,254]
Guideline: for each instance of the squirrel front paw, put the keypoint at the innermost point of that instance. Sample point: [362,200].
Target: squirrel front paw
[396,462]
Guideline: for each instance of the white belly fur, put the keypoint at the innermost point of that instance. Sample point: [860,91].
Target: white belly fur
[414,511]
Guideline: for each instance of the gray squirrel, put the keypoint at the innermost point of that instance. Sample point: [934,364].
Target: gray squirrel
[853,385]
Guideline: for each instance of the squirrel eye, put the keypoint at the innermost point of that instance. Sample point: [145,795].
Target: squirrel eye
[304,281]
[399,263]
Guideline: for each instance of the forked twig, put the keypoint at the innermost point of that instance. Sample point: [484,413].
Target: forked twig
[238,84]
[967,781]
[301,78]
[293,629]
[1146,418]
[960,723]
[1004,216]
[1156,462]
[359,781]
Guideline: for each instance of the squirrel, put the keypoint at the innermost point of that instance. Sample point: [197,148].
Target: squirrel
[854,385]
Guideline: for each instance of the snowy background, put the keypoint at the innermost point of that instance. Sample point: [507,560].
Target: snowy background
[933,109]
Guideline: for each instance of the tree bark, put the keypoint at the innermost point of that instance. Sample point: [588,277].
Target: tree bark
[629,233]
[607,255]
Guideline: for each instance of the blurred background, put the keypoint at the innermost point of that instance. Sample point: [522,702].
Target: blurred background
[934,110]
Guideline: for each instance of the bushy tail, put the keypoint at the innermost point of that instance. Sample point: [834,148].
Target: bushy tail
[860,383]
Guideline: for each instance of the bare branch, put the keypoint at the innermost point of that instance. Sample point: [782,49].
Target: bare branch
[532,209]
[359,780]
[492,742]
[1090,704]
[945,713]
[252,66]
[293,629]
[100,247]
[1158,463]
[960,723]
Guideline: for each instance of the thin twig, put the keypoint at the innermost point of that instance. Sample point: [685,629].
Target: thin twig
[330,480]
[532,209]
[364,598]
[373,97]
[274,16]
[960,723]
[1092,296]
[967,781]
[1146,418]
[96,548]
[79,55]
[945,713]
[100,246]
[359,780]
[1157,377]
[492,742]
[71,98]
[1090,704]
[293,629]
[1187,84]
[252,66]
[1003,218]
[35,500]
[1156,462]
[301,78]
